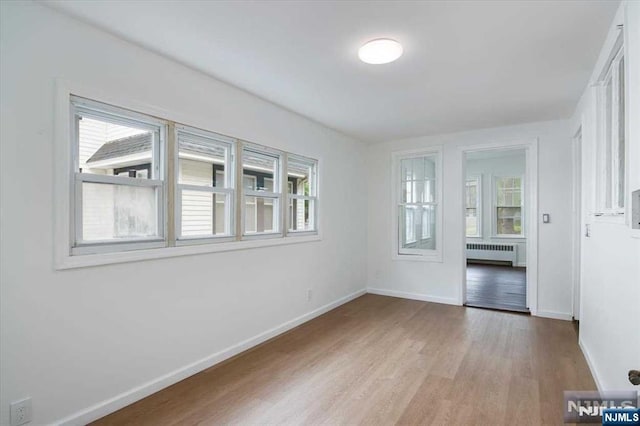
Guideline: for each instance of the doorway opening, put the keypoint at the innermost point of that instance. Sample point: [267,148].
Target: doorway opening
[496,229]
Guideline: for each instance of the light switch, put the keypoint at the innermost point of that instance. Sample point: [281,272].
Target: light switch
[546,218]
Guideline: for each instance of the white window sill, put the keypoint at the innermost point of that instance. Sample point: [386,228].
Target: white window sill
[418,257]
[508,237]
[83,261]
[613,218]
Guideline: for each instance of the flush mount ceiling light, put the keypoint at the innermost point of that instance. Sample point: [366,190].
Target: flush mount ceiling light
[380,51]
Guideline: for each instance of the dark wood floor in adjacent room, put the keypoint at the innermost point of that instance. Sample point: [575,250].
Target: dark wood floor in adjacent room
[383,360]
[497,287]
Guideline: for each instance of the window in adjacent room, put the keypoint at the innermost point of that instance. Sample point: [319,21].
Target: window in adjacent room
[473,207]
[508,206]
[418,205]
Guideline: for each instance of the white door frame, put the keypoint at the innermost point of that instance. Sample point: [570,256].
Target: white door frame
[531,213]
[576,207]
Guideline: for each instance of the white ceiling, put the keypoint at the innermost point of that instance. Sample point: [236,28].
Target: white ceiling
[466,64]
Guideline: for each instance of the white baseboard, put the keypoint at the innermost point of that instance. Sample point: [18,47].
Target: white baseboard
[120,401]
[554,315]
[414,296]
[587,357]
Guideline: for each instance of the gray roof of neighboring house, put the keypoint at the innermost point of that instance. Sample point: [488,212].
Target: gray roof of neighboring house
[142,143]
[122,147]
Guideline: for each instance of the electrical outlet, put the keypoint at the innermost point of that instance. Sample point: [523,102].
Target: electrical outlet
[309,294]
[21,412]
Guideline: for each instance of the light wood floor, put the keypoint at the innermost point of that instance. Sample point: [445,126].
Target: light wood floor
[383,360]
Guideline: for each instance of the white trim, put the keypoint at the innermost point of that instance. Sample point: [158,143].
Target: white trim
[101,247]
[118,180]
[420,255]
[530,210]
[612,218]
[592,367]
[576,219]
[413,296]
[203,188]
[267,240]
[555,315]
[108,406]
[204,239]
[479,205]
[604,194]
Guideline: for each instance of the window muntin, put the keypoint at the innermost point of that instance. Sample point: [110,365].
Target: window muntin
[418,204]
[205,189]
[508,206]
[473,207]
[118,176]
[261,191]
[612,141]
[302,194]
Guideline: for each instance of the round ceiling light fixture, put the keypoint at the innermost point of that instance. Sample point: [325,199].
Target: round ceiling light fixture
[380,51]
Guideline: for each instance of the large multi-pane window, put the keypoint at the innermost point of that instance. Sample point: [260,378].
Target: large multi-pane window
[417,204]
[508,206]
[118,177]
[472,207]
[143,182]
[612,141]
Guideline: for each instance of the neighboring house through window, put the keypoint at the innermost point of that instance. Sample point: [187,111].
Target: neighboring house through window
[126,196]
[118,177]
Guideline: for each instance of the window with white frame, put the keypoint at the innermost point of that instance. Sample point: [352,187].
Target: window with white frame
[205,188]
[261,190]
[124,195]
[118,179]
[302,187]
[418,204]
[611,140]
[508,206]
[473,206]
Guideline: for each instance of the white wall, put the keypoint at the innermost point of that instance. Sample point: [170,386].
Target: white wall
[610,261]
[441,281]
[513,164]
[74,338]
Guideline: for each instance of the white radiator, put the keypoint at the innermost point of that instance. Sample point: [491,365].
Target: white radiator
[490,251]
